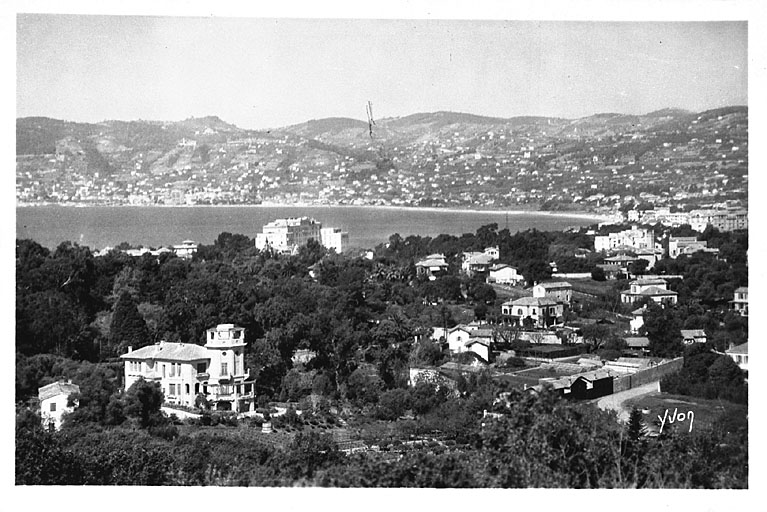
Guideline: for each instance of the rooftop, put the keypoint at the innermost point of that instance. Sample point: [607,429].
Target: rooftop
[57,388]
[169,352]
[555,284]
[532,301]
[740,349]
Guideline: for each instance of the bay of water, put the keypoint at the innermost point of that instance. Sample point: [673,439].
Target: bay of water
[101,226]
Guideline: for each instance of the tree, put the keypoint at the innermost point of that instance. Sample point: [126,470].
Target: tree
[393,404]
[143,401]
[663,328]
[128,328]
[597,335]
[598,274]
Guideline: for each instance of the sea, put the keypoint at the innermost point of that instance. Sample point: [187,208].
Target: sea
[98,227]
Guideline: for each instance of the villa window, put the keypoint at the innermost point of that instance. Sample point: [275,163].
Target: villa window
[237,335]
[212,335]
[186,389]
[224,369]
[201,367]
[172,389]
[53,406]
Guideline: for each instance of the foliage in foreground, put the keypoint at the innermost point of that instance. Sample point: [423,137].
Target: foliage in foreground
[540,441]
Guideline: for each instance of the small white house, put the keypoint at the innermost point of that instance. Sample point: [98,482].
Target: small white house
[637,319]
[457,338]
[504,274]
[54,400]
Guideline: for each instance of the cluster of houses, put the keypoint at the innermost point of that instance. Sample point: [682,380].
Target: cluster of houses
[185,249]
[483,263]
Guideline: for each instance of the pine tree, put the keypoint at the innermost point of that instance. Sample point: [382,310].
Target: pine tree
[128,327]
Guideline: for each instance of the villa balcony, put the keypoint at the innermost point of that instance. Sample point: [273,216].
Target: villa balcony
[203,375]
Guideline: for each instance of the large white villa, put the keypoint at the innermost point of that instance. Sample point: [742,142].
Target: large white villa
[185,370]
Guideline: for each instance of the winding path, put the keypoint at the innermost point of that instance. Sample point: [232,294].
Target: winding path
[615,401]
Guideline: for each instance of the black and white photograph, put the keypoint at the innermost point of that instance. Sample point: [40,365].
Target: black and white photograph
[405,249]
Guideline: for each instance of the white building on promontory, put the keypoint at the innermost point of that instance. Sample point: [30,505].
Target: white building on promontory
[287,235]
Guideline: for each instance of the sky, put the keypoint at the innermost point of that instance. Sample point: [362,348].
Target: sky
[262,72]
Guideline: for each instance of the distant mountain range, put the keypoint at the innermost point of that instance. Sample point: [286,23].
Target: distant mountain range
[38,135]
[426,159]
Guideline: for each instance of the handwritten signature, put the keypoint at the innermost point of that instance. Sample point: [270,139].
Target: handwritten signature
[676,416]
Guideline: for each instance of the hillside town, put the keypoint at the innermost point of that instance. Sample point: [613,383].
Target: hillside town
[672,160]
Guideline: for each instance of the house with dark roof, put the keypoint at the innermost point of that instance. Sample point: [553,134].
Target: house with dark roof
[54,402]
[185,370]
[581,386]
[637,343]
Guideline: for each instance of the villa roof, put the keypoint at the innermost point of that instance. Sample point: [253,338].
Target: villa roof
[693,333]
[742,289]
[651,291]
[533,301]
[169,352]
[647,282]
[555,284]
[432,262]
[740,349]
[479,259]
[57,388]
[637,341]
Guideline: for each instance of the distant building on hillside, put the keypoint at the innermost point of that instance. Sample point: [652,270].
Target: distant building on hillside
[687,245]
[433,266]
[655,289]
[542,311]
[739,303]
[185,249]
[54,402]
[479,262]
[739,354]
[634,238]
[334,238]
[723,220]
[561,291]
[504,274]
[287,235]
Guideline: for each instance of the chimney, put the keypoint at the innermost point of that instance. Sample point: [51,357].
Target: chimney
[130,349]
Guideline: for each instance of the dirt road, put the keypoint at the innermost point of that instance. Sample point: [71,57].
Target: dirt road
[615,401]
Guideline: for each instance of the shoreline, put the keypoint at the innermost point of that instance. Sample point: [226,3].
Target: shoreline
[579,214]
